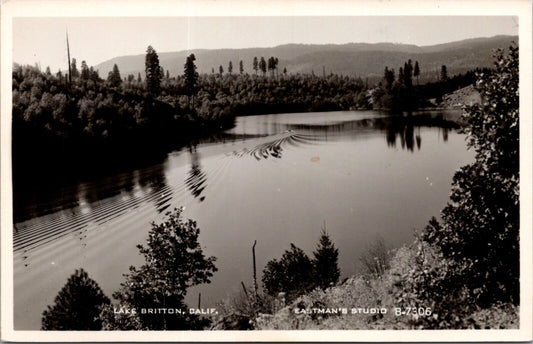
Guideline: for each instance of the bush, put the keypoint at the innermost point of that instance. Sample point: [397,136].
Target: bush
[292,274]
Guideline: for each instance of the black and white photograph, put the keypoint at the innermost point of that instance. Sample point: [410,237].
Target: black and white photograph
[205,173]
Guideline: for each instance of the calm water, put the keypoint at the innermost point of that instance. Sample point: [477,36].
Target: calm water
[275,179]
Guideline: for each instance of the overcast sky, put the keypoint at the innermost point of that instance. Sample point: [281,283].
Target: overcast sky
[96,39]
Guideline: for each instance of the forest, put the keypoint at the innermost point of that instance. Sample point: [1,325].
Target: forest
[80,114]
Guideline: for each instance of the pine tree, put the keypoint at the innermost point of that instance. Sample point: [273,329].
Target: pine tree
[74,70]
[220,70]
[255,65]
[230,67]
[443,73]
[114,77]
[84,70]
[325,267]
[263,66]
[191,78]
[153,71]
[241,67]
[416,71]
[139,79]
[77,305]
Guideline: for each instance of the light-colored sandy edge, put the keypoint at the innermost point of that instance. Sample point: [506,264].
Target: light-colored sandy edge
[520,8]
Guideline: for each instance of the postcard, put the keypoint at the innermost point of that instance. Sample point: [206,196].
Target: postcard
[276,171]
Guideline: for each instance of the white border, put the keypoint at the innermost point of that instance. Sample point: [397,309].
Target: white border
[64,8]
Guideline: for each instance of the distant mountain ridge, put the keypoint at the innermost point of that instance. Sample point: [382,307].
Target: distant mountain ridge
[366,60]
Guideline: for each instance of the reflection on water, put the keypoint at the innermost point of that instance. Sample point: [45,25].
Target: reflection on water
[196,182]
[103,200]
[273,178]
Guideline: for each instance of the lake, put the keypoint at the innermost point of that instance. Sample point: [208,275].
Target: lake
[275,179]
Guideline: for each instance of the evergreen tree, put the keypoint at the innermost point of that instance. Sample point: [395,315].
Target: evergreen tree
[153,71]
[48,71]
[443,73]
[84,71]
[255,65]
[168,75]
[114,77]
[388,77]
[77,305]
[416,71]
[326,270]
[139,79]
[74,70]
[220,70]
[230,67]
[241,67]
[191,78]
[174,261]
[263,65]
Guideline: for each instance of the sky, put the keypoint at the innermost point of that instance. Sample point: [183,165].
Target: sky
[42,40]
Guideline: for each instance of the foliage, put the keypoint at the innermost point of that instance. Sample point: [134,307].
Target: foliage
[325,267]
[114,77]
[174,261]
[479,233]
[76,305]
[191,78]
[376,259]
[292,274]
[153,71]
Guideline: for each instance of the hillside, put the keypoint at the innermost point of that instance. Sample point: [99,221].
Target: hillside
[360,59]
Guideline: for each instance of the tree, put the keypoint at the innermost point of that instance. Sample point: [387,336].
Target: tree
[388,77]
[174,262]
[48,71]
[114,77]
[326,270]
[443,73]
[230,67]
[220,70]
[292,274]
[263,65]
[139,79]
[84,70]
[255,65]
[479,232]
[416,71]
[191,78]
[153,71]
[241,67]
[74,70]
[77,305]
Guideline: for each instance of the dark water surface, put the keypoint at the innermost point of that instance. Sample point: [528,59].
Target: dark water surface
[274,178]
